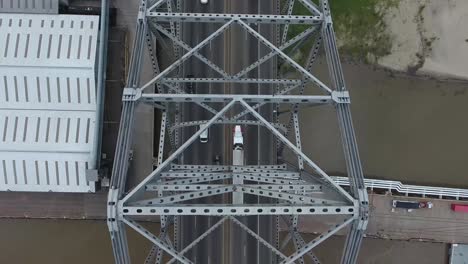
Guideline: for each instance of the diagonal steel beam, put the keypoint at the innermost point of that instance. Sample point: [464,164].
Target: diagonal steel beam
[162,135]
[286,45]
[200,238]
[155,240]
[270,180]
[187,55]
[195,180]
[140,187]
[311,7]
[188,48]
[297,135]
[156,5]
[312,244]
[259,238]
[284,91]
[311,59]
[293,63]
[160,201]
[203,105]
[298,152]
[286,27]
[290,197]
[172,26]
[297,238]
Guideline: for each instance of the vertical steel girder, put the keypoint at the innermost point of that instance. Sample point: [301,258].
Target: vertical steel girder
[174,184]
[119,170]
[353,162]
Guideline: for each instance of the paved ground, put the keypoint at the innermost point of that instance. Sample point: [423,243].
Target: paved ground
[53,205]
[439,224]
[379,251]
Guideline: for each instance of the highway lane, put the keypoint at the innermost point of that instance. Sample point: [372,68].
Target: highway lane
[209,250]
[233,52]
[259,147]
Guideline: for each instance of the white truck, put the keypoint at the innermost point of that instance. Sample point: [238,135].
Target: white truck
[238,138]
[238,160]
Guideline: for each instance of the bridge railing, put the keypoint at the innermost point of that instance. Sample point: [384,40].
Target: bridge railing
[409,189]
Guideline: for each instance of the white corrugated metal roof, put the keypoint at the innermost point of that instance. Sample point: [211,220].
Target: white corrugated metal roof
[29,6]
[47,102]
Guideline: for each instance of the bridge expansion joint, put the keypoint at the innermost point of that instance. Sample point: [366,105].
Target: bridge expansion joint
[341,97]
[363,199]
[131,94]
[112,210]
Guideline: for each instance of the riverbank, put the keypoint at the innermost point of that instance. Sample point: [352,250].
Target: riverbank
[418,37]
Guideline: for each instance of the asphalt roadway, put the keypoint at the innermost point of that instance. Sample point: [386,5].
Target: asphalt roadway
[232,51]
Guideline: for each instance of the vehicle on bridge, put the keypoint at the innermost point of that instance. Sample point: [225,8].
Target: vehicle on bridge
[189,87]
[238,138]
[204,134]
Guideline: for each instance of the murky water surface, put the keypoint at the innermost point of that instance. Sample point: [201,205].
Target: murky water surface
[407,128]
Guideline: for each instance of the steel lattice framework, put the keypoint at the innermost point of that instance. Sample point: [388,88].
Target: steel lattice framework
[169,192]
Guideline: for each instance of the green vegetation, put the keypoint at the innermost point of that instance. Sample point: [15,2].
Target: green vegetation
[358,24]
[360,27]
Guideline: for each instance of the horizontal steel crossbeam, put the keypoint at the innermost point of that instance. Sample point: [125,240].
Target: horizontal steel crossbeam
[222,18]
[226,167]
[222,98]
[226,122]
[231,80]
[224,210]
[307,188]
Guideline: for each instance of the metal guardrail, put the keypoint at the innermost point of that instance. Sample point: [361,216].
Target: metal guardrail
[408,189]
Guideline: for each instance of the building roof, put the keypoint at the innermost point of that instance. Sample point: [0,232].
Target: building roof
[29,6]
[47,102]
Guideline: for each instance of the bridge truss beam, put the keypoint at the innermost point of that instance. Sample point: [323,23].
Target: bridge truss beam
[171,190]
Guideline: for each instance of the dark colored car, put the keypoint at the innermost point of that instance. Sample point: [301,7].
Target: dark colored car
[189,87]
[411,204]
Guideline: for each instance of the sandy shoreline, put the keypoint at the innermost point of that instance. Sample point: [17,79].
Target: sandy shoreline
[429,37]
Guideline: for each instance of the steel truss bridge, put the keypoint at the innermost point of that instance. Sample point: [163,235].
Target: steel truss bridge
[173,190]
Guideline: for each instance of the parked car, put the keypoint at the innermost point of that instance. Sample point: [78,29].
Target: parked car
[411,205]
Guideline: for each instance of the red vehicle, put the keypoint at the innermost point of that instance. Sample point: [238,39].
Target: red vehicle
[462,208]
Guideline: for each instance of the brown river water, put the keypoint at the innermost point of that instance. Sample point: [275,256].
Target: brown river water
[25,241]
[408,129]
